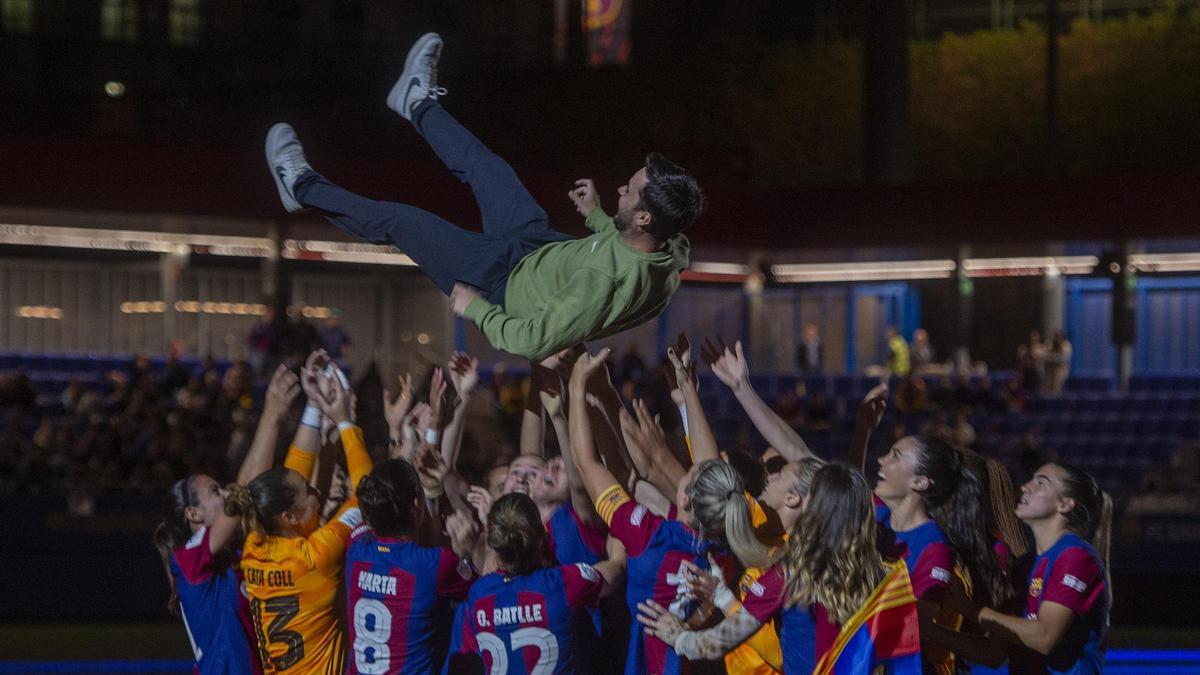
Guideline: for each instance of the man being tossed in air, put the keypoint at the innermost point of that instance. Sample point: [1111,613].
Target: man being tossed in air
[531,290]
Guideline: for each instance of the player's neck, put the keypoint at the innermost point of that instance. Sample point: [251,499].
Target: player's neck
[908,513]
[1046,533]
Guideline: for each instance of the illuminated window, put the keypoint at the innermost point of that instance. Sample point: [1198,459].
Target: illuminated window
[185,22]
[119,20]
[18,16]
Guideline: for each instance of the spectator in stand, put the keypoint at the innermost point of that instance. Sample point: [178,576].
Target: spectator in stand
[1031,361]
[263,341]
[334,338]
[923,355]
[898,364]
[808,354]
[1057,363]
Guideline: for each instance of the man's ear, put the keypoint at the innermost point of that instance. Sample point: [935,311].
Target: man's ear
[642,219]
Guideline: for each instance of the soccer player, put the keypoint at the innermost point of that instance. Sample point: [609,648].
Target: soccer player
[709,498]
[531,290]
[522,619]
[930,508]
[1069,594]
[293,565]
[830,570]
[393,583]
[194,541]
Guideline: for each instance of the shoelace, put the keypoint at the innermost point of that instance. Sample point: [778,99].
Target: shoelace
[433,88]
[293,156]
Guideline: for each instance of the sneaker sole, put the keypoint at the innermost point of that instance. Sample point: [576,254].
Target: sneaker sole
[289,202]
[395,97]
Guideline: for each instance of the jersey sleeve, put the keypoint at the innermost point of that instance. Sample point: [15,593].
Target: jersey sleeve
[194,558]
[301,461]
[934,569]
[327,546]
[629,522]
[454,575]
[581,584]
[765,595]
[1076,581]
[358,462]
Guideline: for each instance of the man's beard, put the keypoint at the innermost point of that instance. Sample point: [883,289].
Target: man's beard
[622,220]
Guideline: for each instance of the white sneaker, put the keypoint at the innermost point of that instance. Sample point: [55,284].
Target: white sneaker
[419,79]
[285,158]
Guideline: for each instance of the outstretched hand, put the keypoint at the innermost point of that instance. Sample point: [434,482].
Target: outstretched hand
[645,431]
[729,365]
[874,404]
[283,389]
[585,367]
[395,410]
[464,373]
[659,622]
[584,196]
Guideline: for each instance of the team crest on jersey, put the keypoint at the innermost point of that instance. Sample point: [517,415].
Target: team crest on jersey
[1035,587]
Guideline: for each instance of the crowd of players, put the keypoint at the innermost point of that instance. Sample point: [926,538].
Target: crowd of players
[728,562]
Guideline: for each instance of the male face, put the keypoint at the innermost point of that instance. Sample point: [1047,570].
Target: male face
[628,213]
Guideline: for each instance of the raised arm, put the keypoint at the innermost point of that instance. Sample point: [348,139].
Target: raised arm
[550,390]
[702,441]
[464,375]
[302,455]
[730,368]
[340,410]
[595,476]
[648,444]
[283,389]
[396,411]
[870,414]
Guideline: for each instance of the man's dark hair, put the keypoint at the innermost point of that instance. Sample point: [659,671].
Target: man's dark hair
[671,196]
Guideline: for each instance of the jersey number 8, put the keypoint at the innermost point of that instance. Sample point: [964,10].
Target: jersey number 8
[541,638]
[371,652]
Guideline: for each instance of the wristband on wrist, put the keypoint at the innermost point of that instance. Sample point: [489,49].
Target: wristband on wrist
[432,436]
[312,416]
[342,426]
[683,416]
[724,599]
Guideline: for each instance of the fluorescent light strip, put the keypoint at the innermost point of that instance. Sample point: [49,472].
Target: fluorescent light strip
[732,269]
[864,271]
[1029,266]
[133,240]
[1165,262]
[336,251]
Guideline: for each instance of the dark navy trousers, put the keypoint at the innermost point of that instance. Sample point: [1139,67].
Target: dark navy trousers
[513,223]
